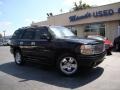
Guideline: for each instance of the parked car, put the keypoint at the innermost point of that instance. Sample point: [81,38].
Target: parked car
[5,43]
[116,43]
[1,41]
[108,43]
[1,44]
[56,45]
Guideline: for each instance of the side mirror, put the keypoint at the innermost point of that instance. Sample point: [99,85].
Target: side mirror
[46,36]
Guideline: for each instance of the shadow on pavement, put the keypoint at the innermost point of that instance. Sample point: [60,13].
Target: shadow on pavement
[49,75]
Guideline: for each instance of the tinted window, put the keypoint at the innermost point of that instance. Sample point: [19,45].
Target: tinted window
[41,32]
[17,34]
[29,34]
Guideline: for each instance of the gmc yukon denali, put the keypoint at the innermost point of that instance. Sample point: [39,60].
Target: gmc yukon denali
[56,45]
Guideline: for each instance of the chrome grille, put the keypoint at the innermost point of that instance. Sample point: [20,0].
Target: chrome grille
[99,48]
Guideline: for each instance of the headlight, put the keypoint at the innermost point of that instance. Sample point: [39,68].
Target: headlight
[86,49]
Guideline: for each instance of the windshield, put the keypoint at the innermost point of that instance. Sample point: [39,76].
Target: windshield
[61,32]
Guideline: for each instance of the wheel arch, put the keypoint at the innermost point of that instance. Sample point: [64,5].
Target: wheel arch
[63,52]
[16,49]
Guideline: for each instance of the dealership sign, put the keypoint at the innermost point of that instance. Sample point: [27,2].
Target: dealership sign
[103,13]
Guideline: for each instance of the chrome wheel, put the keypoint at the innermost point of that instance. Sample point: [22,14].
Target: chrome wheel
[68,65]
[18,59]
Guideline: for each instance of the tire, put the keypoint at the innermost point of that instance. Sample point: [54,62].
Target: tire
[18,58]
[67,64]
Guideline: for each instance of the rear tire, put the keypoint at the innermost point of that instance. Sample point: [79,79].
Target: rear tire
[18,58]
[67,64]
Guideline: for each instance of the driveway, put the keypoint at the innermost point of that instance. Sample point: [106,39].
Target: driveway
[36,77]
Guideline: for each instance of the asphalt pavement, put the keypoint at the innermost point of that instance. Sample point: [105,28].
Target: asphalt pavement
[36,77]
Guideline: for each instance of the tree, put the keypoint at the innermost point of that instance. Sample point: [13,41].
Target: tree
[80,6]
[0,35]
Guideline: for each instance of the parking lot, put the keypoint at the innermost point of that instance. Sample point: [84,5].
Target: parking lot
[35,77]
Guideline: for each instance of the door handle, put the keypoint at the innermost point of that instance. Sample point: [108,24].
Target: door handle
[33,43]
[21,43]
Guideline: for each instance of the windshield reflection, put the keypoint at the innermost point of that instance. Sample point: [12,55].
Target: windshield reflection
[61,32]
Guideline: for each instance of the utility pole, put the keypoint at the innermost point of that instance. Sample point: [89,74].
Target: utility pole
[61,10]
[4,36]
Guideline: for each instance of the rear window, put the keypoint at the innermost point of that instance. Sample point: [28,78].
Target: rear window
[17,34]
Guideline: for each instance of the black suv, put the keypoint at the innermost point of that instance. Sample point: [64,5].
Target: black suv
[56,45]
[116,43]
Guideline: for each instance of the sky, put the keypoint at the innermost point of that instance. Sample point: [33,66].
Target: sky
[19,13]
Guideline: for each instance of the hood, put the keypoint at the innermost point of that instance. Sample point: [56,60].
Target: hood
[82,40]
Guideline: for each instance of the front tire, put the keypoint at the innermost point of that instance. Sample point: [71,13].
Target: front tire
[67,64]
[18,58]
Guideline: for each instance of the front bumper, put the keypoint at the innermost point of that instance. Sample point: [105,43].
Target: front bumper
[91,60]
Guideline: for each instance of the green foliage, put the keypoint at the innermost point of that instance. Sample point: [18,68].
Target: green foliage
[80,6]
